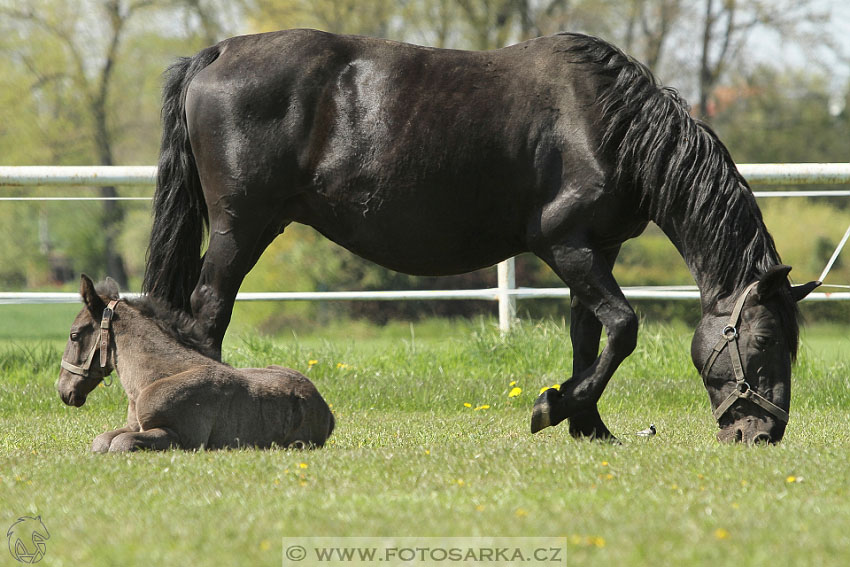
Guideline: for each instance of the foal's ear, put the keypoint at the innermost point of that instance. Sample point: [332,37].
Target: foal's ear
[110,288]
[90,297]
[773,281]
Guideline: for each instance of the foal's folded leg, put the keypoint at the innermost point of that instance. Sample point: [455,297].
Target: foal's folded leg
[157,439]
[103,441]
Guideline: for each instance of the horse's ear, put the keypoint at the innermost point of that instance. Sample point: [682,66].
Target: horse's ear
[110,288]
[90,297]
[798,292]
[773,281]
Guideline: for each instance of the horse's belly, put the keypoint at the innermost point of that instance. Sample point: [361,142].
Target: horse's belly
[421,239]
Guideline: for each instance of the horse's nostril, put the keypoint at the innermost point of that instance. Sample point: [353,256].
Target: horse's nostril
[762,438]
[739,435]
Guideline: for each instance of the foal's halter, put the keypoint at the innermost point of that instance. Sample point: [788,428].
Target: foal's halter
[105,324]
[742,389]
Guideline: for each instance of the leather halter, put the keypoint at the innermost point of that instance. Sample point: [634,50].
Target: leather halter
[742,389]
[103,343]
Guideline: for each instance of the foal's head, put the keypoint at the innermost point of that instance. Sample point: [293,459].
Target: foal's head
[85,363]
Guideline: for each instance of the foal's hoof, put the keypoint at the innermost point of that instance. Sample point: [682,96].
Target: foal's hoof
[543,414]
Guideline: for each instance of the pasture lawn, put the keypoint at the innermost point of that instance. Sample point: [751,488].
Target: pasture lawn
[409,458]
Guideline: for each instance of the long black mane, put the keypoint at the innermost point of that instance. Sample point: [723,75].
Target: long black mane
[683,174]
[679,167]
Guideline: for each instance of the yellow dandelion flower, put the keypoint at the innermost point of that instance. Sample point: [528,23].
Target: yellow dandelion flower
[720,533]
[312,362]
[553,387]
[302,465]
[460,482]
[341,365]
[790,479]
[515,392]
[427,452]
[604,463]
[609,476]
[481,407]
[521,513]
[597,541]
[467,405]
[513,383]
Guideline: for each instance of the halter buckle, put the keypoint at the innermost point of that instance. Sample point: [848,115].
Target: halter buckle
[107,317]
[743,387]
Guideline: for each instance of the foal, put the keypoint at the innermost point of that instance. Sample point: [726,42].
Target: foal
[178,396]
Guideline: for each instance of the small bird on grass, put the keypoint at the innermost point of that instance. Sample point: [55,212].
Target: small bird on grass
[649,432]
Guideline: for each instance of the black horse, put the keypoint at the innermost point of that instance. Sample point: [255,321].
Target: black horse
[434,162]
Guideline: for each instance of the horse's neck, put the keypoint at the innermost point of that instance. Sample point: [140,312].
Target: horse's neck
[700,257]
[144,353]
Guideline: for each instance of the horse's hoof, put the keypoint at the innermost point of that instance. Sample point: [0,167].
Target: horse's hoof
[541,415]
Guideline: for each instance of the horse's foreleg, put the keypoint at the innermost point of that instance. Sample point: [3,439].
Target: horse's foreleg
[156,439]
[102,442]
[588,273]
[585,331]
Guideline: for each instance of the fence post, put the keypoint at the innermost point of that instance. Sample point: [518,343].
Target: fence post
[507,303]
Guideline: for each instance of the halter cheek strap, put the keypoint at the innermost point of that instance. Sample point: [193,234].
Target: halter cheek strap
[742,389]
[103,343]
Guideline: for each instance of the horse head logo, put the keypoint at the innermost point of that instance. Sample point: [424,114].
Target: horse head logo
[26,539]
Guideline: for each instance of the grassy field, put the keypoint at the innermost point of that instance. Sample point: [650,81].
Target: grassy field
[429,443]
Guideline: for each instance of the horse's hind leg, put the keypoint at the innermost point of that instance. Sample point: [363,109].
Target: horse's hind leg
[234,248]
[156,439]
[588,273]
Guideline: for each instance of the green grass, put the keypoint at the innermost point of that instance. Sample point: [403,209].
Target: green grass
[409,459]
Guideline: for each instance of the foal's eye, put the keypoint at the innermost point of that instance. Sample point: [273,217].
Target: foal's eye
[762,341]
[75,337]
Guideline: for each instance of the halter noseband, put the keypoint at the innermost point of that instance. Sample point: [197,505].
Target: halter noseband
[742,389]
[105,323]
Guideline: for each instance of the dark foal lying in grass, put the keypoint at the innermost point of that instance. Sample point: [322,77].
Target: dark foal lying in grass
[179,397]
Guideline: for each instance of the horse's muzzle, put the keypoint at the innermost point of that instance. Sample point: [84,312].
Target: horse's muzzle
[752,432]
[72,398]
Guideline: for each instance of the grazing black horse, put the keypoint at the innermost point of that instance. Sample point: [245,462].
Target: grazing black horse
[433,162]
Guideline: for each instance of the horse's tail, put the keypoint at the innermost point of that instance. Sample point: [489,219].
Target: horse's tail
[180,212]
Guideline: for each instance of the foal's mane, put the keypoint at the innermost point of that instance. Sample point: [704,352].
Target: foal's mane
[175,323]
[683,173]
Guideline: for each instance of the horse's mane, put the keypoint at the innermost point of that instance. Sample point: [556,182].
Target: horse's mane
[175,323]
[681,170]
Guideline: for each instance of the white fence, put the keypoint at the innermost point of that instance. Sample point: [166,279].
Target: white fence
[506,293]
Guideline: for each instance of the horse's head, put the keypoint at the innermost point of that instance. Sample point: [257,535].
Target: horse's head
[744,347]
[84,366]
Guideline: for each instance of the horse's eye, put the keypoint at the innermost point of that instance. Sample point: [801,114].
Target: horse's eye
[75,337]
[762,341]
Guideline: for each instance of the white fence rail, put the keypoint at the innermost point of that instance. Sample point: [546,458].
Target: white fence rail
[506,293]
